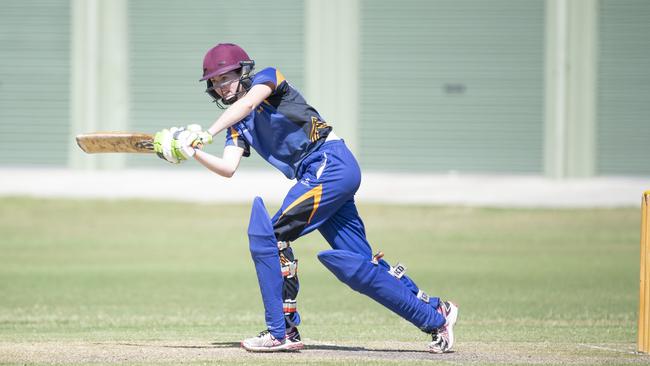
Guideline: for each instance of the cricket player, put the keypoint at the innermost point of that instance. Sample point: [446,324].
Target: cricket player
[266,113]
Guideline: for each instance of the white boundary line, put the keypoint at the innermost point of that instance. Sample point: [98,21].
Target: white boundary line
[611,349]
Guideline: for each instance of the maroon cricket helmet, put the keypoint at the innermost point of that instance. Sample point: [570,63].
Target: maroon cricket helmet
[222,58]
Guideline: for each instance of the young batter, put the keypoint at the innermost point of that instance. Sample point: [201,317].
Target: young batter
[268,114]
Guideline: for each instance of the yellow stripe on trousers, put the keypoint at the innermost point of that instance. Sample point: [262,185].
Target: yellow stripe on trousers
[315,192]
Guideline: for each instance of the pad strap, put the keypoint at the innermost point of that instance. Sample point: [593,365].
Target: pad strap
[398,271]
[423,296]
[289,306]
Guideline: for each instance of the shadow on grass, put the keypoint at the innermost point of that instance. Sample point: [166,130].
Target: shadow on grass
[329,347]
[308,347]
[212,345]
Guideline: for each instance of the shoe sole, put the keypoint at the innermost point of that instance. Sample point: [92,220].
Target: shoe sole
[287,347]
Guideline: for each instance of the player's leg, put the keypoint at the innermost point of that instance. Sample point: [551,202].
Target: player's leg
[265,255]
[345,230]
[276,267]
[352,262]
[327,183]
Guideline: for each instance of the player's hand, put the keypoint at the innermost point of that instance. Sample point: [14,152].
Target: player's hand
[182,144]
[203,137]
[162,145]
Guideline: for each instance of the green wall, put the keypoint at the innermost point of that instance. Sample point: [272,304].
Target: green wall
[452,85]
[443,85]
[623,136]
[34,82]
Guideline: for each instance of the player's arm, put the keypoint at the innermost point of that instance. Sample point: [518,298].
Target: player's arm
[242,107]
[224,166]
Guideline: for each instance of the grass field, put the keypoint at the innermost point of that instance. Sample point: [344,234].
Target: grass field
[134,282]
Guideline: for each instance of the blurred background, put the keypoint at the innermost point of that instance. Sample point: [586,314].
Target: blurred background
[550,89]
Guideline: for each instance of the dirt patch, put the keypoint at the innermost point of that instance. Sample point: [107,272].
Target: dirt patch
[73,352]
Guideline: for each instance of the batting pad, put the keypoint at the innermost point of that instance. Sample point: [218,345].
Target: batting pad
[375,282]
[264,251]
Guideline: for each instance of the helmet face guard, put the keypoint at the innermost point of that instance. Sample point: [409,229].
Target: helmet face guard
[243,85]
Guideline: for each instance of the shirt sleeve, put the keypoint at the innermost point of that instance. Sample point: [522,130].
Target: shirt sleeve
[270,75]
[233,138]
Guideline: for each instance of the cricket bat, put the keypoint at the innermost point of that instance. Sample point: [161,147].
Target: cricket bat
[115,142]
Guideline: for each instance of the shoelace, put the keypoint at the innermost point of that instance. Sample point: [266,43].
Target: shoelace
[263,333]
[438,339]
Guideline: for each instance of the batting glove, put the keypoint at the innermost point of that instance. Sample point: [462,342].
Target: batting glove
[203,137]
[182,144]
[162,145]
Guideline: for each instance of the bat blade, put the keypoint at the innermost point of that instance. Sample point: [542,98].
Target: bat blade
[115,142]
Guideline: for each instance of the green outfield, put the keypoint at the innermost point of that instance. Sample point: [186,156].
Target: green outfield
[137,282]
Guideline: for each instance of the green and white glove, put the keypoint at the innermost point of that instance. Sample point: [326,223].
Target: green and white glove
[162,145]
[178,143]
[182,144]
[203,137]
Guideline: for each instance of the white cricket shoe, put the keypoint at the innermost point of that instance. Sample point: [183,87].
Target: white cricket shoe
[443,337]
[266,342]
